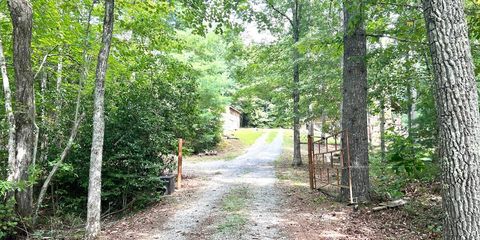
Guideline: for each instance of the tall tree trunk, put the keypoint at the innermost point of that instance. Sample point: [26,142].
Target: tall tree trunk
[311,123]
[43,117]
[21,14]
[323,122]
[458,116]
[382,130]
[409,109]
[297,155]
[12,163]
[95,177]
[354,110]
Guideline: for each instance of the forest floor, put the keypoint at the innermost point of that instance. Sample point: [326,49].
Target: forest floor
[258,195]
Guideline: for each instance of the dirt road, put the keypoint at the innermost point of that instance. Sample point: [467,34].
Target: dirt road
[247,198]
[239,201]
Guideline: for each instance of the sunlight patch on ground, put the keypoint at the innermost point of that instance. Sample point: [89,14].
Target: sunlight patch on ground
[332,235]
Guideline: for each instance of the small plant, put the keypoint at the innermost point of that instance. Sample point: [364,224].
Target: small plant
[406,156]
[8,218]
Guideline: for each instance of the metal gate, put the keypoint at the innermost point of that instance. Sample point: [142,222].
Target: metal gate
[328,160]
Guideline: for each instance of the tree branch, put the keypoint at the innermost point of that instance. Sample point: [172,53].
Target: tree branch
[280,12]
[394,38]
[43,62]
[418,7]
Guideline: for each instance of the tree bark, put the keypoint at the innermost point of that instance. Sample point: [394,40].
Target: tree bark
[297,154]
[409,109]
[43,117]
[382,130]
[354,110]
[12,163]
[458,116]
[21,14]
[95,177]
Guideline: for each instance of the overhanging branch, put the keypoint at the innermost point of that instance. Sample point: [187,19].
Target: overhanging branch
[280,12]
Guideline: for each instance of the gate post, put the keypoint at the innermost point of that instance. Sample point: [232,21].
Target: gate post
[179,165]
[310,161]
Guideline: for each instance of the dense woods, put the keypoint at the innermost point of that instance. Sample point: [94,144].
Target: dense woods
[96,94]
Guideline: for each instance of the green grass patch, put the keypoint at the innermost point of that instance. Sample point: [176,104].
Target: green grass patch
[229,149]
[248,136]
[272,134]
[235,200]
[288,139]
[232,223]
[234,203]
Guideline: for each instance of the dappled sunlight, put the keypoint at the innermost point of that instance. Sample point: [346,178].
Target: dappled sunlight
[332,235]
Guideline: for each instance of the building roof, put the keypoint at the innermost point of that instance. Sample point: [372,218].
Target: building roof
[236,110]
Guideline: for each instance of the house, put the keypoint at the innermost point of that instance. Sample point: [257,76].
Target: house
[231,119]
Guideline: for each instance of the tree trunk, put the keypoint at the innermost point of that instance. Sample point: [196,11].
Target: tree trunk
[59,94]
[458,116]
[21,14]
[382,130]
[323,122]
[409,109]
[354,110]
[297,155]
[95,177]
[311,123]
[43,190]
[12,163]
[43,117]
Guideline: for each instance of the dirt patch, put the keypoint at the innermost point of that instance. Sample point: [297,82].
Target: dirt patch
[144,223]
[313,215]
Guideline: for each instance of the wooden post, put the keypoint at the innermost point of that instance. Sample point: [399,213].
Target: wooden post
[310,161]
[179,170]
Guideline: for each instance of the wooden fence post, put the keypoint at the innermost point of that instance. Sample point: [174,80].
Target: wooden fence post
[179,167]
[310,161]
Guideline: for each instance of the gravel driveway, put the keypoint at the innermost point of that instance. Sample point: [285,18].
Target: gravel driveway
[254,171]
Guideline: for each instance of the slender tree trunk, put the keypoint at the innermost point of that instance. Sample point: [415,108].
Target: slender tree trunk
[458,116]
[409,109]
[311,123]
[12,163]
[323,122]
[382,130]
[297,155]
[64,154]
[95,178]
[354,110]
[369,131]
[21,14]
[43,116]
[59,99]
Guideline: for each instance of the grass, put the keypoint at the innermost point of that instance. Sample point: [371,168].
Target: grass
[229,149]
[233,204]
[248,136]
[272,134]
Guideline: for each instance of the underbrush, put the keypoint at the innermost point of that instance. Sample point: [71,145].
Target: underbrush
[414,180]
[420,187]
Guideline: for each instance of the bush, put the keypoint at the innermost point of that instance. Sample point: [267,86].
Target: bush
[407,161]
[406,156]
[8,218]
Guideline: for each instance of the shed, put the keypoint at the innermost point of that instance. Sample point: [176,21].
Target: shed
[231,119]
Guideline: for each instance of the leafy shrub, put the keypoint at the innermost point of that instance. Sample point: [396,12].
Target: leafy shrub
[407,161]
[8,218]
[406,156]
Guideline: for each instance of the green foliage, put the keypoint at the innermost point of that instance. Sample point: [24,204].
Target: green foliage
[8,217]
[406,156]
